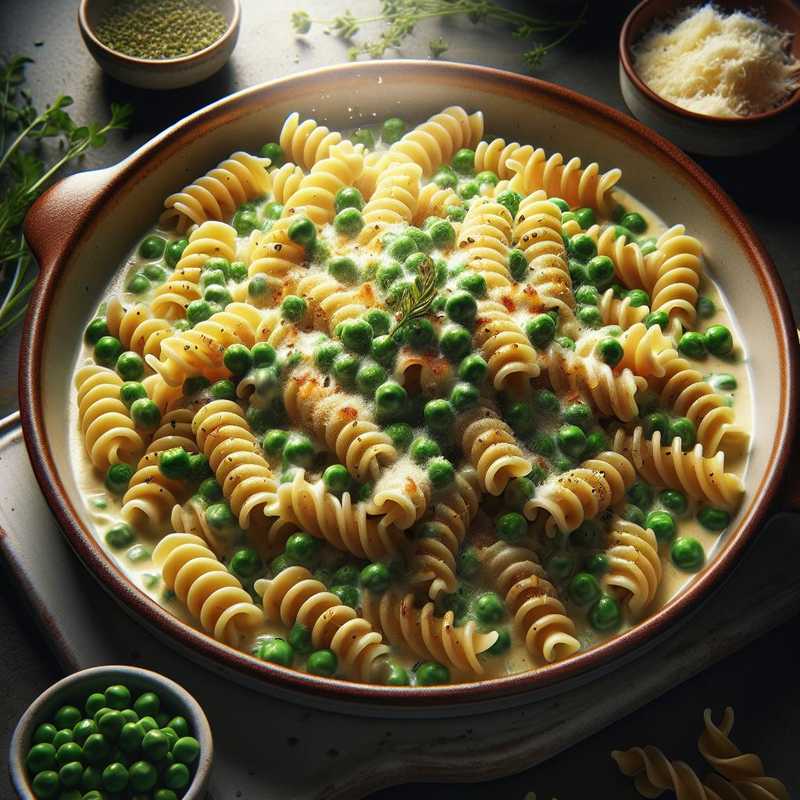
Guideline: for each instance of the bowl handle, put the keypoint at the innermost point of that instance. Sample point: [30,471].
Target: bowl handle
[57,218]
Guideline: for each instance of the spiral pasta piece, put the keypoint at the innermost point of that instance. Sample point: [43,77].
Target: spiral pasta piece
[489,445]
[394,202]
[432,561]
[744,770]
[136,327]
[151,495]
[218,193]
[315,195]
[611,393]
[424,633]
[330,302]
[285,181]
[211,239]
[579,186]
[685,390]
[191,518]
[616,311]
[109,435]
[436,141]
[654,773]
[484,240]
[495,155]
[433,202]
[338,520]
[166,397]
[400,497]
[631,267]
[200,350]
[676,271]
[294,596]
[341,421]
[634,566]
[224,437]
[701,477]
[306,142]
[422,373]
[582,493]
[532,600]
[275,254]
[203,584]
[511,358]
[765,788]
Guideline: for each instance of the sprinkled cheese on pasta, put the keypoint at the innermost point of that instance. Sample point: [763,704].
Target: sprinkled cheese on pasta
[723,65]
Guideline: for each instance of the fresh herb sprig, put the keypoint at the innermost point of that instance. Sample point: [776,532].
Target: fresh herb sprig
[417,299]
[401,16]
[24,174]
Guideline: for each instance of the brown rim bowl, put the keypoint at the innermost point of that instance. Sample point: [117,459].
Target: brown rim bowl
[81,229]
[167,73]
[703,133]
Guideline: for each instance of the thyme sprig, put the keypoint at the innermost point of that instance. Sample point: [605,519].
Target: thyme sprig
[400,18]
[417,299]
[24,174]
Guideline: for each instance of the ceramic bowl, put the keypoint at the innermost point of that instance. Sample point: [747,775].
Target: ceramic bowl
[75,688]
[168,73]
[703,133]
[81,229]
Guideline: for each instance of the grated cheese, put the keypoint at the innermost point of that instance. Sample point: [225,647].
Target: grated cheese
[726,65]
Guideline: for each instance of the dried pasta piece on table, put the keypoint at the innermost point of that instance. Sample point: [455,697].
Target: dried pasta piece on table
[426,634]
[654,773]
[218,193]
[532,600]
[202,583]
[108,432]
[294,596]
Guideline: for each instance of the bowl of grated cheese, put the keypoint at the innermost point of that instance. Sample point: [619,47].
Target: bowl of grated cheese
[719,79]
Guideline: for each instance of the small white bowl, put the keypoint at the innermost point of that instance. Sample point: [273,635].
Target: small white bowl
[704,133]
[164,73]
[76,687]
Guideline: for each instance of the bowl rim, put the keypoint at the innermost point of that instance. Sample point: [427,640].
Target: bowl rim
[191,708]
[625,50]
[303,686]
[147,63]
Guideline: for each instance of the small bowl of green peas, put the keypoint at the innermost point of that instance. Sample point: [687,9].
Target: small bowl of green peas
[112,731]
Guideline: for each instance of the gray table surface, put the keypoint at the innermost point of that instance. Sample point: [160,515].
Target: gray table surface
[760,681]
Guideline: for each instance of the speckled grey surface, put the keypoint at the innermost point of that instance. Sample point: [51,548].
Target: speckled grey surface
[760,681]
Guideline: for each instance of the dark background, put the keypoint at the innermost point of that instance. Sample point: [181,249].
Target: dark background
[760,681]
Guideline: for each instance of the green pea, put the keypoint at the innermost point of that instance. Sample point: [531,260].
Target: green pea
[423,449]
[600,270]
[610,351]
[96,749]
[369,378]
[115,777]
[119,536]
[245,221]
[401,247]
[336,479]
[585,217]
[634,222]
[392,130]
[257,286]
[384,350]
[464,161]
[69,776]
[86,727]
[640,494]
[107,350]
[510,199]
[419,333]
[300,638]
[64,736]
[657,421]
[345,368]
[512,527]
[155,745]
[662,524]
[445,178]
[455,342]
[464,396]
[577,272]
[96,330]
[706,308]
[174,251]
[92,778]
[346,575]
[461,307]
[684,429]
[245,563]
[560,566]
[111,724]
[177,777]
[274,152]
[632,513]
[659,318]
[597,564]
[118,477]
[41,757]
[621,230]
[472,282]
[142,776]
[238,359]
[44,733]
[363,136]
[423,242]
[375,577]
[440,473]
[348,222]
[521,418]
[584,589]
[238,271]
[130,737]
[325,354]
[587,295]
[605,615]
[692,345]
[302,231]
[152,247]
[224,390]
[541,330]
[518,492]
[220,517]
[299,451]
[648,246]
[442,234]
[583,247]
[276,651]
[687,554]
[544,445]
[489,608]
[596,442]
[396,676]
[469,189]
[719,340]
[348,595]
[439,415]
[473,369]
[713,519]
[638,298]
[174,463]
[674,500]
[589,316]
[199,311]
[45,784]
[293,308]
[578,414]
[302,548]
[391,398]
[502,643]
[517,265]
[571,440]
[468,563]
[356,334]
[210,491]
[724,382]
[431,673]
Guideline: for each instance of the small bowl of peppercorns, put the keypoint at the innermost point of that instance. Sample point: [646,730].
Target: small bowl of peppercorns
[160,44]
[112,731]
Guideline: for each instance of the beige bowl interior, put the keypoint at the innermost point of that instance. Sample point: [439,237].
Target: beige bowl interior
[541,119]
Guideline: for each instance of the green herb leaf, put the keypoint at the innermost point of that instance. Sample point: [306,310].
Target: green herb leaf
[418,297]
